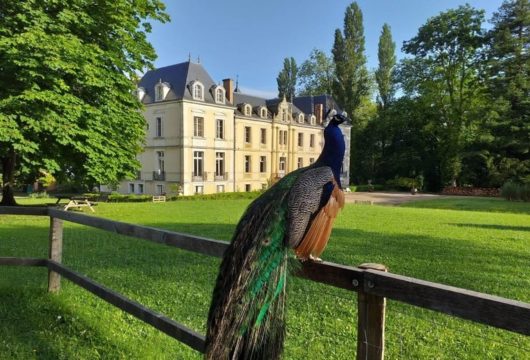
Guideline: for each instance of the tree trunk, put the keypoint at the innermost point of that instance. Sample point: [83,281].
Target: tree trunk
[8,176]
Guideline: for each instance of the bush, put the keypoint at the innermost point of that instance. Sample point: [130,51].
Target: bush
[39,195]
[402,183]
[129,198]
[513,191]
[367,187]
[219,196]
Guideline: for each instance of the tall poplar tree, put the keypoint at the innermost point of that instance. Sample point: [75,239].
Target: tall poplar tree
[384,74]
[351,76]
[287,79]
[66,102]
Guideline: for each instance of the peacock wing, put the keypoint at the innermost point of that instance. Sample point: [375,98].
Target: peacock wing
[314,202]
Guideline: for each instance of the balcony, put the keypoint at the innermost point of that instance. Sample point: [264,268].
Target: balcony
[198,177]
[221,176]
[159,175]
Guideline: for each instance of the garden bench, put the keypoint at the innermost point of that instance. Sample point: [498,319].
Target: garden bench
[159,198]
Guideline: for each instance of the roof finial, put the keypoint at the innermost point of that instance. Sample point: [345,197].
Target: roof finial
[189,56]
[198,59]
[237,84]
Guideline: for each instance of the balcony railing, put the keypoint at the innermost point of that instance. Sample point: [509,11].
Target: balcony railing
[159,175]
[221,176]
[199,176]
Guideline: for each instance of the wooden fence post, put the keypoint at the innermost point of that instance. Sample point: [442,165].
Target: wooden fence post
[370,321]
[55,253]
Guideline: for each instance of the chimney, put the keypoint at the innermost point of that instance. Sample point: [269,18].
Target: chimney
[228,84]
[319,113]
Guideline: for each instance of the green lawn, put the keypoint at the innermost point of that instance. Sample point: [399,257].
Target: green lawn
[480,250]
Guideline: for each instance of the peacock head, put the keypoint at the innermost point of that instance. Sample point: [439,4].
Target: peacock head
[334,146]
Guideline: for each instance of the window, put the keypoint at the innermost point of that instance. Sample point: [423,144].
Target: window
[248,110]
[159,93]
[311,160]
[199,189]
[283,137]
[300,162]
[160,161]
[263,136]
[219,164]
[313,119]
[131,188]
[140,188]
[262,164]
[219,95]
[219,129]
[160,189]
[198,161]
[312,140]
[248,188]
[247,164]
[284,115]
[300,139]
[198,126]
[263,112]
[248,134]
[158,127]
[301,118]
[282,164]
[220,188]
[198,91]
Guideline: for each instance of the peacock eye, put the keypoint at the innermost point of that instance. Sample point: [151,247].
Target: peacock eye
[266,241]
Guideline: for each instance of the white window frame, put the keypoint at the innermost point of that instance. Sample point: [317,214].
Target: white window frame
[197,91]
[263,113]
[219,95]
[220,165]
[219,129]
[159,128]
[198,126]
[247,110]
[198,163]
[248,134]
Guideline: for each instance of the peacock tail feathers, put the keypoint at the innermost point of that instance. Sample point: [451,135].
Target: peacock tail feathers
[247,315]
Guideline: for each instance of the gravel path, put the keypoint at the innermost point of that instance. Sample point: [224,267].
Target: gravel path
[387,198]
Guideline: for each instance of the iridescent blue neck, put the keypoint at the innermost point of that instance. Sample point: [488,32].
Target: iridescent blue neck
[333,153]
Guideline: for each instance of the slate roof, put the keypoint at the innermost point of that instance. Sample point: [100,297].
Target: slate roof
[178,76]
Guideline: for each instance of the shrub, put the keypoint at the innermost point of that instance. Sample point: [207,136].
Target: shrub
[219,196]
[402,183]
[515,191]
[39,195]
[129,198]
[367,187]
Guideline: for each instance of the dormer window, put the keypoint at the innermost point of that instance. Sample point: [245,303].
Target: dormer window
[161,90]
[197,90]
[219,95]
[313,119]
[263,112]
[140,92]
[301,118]
[247,110]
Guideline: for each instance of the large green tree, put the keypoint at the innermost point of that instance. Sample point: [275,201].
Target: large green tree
[287,79]
[316,74]
[66,102]
[443,73]
[384,75]
[508,79]
[351,84]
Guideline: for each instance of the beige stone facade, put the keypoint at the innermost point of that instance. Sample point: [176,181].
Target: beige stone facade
[208,138]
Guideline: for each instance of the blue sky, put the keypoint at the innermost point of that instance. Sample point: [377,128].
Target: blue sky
[250,39]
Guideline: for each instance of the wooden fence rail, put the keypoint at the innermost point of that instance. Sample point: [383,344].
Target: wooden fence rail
[372,284]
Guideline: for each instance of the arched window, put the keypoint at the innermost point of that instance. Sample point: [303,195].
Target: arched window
[248,110]
[197,91]
[161,90]
[313,119]
[263,112]
[219,95]
[301,118]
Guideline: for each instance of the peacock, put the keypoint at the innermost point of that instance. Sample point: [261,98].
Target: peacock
[247,313]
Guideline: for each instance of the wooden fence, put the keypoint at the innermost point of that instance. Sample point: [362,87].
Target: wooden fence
[372,282]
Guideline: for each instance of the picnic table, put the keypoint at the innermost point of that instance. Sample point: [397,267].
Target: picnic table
[76,202]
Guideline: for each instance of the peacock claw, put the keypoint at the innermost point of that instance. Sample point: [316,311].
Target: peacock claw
[314,258]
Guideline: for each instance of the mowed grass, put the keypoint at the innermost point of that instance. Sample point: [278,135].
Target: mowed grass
[480,250]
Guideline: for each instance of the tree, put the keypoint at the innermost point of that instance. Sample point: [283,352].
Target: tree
[66,102]
[508,79]
[351,77]
[384,74]
[287,79]
[316,74]
[443,73]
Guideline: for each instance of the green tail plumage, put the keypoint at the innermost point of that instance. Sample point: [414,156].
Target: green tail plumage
[247,314]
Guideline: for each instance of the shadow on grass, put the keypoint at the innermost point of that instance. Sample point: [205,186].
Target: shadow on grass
[493,227]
